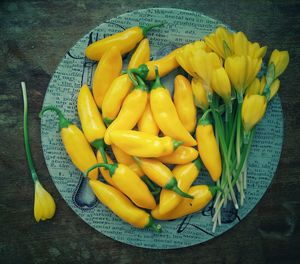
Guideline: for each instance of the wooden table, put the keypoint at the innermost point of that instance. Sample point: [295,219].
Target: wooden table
[34,37]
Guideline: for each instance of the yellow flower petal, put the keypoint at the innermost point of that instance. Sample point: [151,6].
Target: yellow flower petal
[200,96]
[253,109]
[44,205]
[254,87]
[221,84]
[274,88]
[240,44]
[280,59]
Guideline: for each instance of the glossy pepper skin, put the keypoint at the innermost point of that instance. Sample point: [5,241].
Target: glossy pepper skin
[147,123]
[114,97]
[107,70]
[75,143]
[181,155]
[184,102]
[160,174]
[165,65]
[121,86]
[141,54]
[208,148]
[124,158]
[91,120]
[165,114]
[141,144]
[185,176]
[121,206]
[129,183]
[202,194]
[125,41]
[131,111]
[104,172]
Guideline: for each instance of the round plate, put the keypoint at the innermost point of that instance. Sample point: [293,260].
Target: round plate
[181,27]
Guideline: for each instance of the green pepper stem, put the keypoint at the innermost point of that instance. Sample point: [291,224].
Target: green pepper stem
[214,189]
[198,163]
[141,84]
[107,121]
[131,77]
[157,83]
[204,120]
[176,144]
[172,185]
[63,122]
[146,29]
[110,167]
[99,145]
[149,183]
[152,225]
[26,138]
[141,71]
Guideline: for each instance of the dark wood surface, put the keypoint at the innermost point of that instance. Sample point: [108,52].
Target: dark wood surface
[34,37]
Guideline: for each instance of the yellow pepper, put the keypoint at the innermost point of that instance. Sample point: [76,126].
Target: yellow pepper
[114,97]
[181,155]
[160,174]
[128,183]
[131,111]
[185,176]
[120,86]
[75,143]
[124,158]
[91,120]
[107,70]
[104,172]
[141,144]
[125,41]
[208,147]
[121,206]
[165,65]
[165,114]
[202,194]
[141,54]
[147,123]
[200,96]
[184,102]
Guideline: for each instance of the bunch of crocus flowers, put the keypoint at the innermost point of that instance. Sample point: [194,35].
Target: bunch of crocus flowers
[224,69]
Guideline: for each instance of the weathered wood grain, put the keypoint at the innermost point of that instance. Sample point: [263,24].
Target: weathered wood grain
[34,37]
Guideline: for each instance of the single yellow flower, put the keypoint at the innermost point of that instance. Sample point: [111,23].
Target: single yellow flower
[184,54]
[44,205]
[280,59]
[236,68]
[240,44]
[221,84]
[253,109]
[203,64]
[221,42]
[254,87]
[200,96]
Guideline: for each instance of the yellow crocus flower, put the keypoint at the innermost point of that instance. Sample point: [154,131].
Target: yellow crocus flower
[217,39]
[200,96]
[253,67]
[253,109]
[280,59]
[236,68]
[221,84]
[44,205]
[203,64]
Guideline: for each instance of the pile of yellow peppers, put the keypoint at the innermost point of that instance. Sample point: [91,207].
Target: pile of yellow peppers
[132,113]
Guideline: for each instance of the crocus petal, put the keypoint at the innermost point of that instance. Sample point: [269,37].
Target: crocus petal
[221,84]
[254,87]
[274,88]
[280,59]
[253,109]
[200,96]
[240,44]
